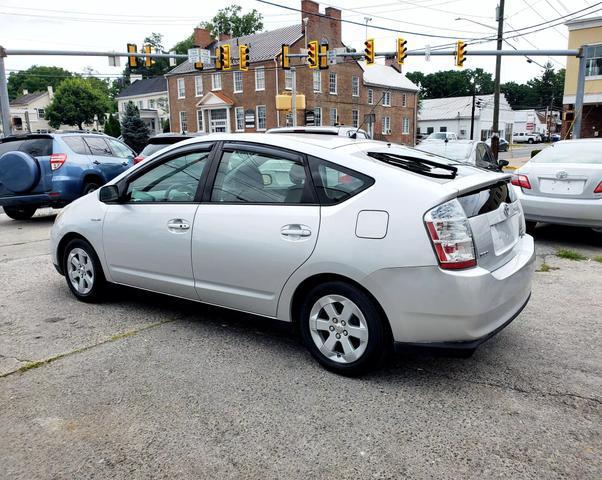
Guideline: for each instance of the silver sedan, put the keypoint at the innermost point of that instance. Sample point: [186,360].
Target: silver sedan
[562,184]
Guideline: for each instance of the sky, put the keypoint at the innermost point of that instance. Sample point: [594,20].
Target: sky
[109,25]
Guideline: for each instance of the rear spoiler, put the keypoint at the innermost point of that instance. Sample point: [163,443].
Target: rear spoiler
[28,136]
[478,181]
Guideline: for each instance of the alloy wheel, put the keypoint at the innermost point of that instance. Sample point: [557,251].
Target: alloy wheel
[81,271]
[338,328]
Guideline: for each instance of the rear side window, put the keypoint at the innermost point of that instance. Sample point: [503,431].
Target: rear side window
[77,144]
[36,147]
[572,152]
[335,183]
[120,149]
[99,146]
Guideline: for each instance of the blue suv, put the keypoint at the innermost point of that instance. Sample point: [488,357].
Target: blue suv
[51,170]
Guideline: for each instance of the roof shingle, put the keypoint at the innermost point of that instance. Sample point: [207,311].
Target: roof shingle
[145,87]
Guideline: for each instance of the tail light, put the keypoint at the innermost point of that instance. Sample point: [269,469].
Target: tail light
[138,159]
[598,189]
[451,235]
[57,160]
[521,181]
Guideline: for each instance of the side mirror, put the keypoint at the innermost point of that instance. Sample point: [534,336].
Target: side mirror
[109,194]
[503,163]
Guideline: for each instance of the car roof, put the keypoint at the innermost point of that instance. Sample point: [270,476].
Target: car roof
[579,140]
[333,130]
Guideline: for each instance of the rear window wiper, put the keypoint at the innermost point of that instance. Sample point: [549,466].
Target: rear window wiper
[416,165]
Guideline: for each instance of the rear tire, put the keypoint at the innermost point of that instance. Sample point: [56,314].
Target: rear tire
[531,141]
[20,213]
[343,329]
[83,272]
[90,187]
[530,227]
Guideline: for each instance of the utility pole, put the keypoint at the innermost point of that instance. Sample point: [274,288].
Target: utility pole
[474,101]
[4,104]
[294,95]
[495,139]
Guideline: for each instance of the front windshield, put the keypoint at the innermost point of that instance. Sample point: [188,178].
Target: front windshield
[453,150]
[437,136]
[571,152]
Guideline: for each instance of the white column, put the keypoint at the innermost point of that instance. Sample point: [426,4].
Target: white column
[228,129]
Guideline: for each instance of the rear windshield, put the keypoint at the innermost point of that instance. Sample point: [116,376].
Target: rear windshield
[438,136]
[36,147]
[571,152]
[487,199]
[452,150]
[152,148]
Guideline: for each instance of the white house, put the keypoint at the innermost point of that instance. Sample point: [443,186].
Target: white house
[454,115]
[27,112]
[536,121]
[150,96]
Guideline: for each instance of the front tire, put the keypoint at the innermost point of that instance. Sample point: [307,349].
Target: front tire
[20,213]
[83,271]
[343,329]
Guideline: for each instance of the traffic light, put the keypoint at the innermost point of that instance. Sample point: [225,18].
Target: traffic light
[285,62]
[226,58]
[369,51]
[460,53]
[243,53]
[312,54]
[133,61]
[148,61]
[323,57]
[402,50]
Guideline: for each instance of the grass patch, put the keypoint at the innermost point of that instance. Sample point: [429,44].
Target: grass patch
[570,255]
[598,259]
[546,268]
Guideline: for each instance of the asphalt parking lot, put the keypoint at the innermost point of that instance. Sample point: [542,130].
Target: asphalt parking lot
[145,386]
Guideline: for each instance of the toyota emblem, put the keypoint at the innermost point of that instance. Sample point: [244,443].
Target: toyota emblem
[506,210]
[561,175]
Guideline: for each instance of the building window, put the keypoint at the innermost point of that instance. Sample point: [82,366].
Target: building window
[317,81]
[386,125]
[405,128]
[332,83]
[370,96]
[318,117]
[199,121]
[198,85]
[181,88]
[260,117]
[237,81]
[183,122]
[386,99]
[430,130]
[140,104]
[404,100]
[443,129]
[41,113]
[239,116]
[151,103]
[333,117]
[216,81]
[355,118]
[593,63]
[288,80]
[259,78]
[355,86]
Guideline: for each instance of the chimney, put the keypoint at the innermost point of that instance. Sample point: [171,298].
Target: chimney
[25,91]
[309,10]
[50,92]
[202,38]
[392,62]
[334,20]
[321,26]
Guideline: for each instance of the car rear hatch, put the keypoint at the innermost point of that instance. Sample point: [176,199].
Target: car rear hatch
[564,180]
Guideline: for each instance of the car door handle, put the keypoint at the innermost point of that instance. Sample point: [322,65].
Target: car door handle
[96,162]
[178,225]
[295,231]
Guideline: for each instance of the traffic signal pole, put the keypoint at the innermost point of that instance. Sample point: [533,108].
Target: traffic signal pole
[495,137]
[4,104]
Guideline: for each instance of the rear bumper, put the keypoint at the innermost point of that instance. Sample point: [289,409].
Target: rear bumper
[562,211]
[40,200]
[64,191]
[428,305]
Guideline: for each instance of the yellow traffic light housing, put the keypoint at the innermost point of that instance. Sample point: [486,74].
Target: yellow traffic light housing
[285,62]
[226,58]
[369,51]
[148,61]
[132,61]
[402,50]
[198,65]
[460,53]
[312,54]
[323,56]
[243,53]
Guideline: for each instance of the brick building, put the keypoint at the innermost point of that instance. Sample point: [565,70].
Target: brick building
[378,97]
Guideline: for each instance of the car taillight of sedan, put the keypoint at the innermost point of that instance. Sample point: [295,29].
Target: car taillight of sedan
[138,159]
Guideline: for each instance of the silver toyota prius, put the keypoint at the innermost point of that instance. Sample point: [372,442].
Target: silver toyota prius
[362,244]
[562,184]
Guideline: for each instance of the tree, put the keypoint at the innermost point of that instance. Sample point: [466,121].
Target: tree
[35,79]
[134,131]
[229,21]
[453,83]
[112,126]
[539,93]
[165,126]
[77,102]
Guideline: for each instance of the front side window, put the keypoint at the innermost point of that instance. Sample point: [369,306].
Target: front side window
[181,88]
[216,81]
[259,78]
[355,86]
[317,81]
[335,183]
[250,177]
[593,63]
[333,117]
[183,121]
[355,118]
[332,83]
[98,146]
[239,114]
[237,81]
[174,181]
[198,85]
[318,117]
[261,113]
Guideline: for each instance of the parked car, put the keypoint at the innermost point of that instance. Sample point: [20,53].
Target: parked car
[526,137]
[341,130]
[41,170]
[503,144]
[562,184]
[160,141]
[441,136]
[555,137]
[471,152]
[234,232]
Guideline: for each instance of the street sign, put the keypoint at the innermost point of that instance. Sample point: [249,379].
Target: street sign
[194,55]
[249,119]
[427,53]
[114,61]
[309,118]
[332,57]
[530,126]
[172,61]
[205,56]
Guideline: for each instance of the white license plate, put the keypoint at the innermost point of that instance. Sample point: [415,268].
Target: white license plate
[505,234]
[561,187]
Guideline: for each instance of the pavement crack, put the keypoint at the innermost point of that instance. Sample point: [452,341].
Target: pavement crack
[23,243]
[113,338]
[22,360]
[6,260]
